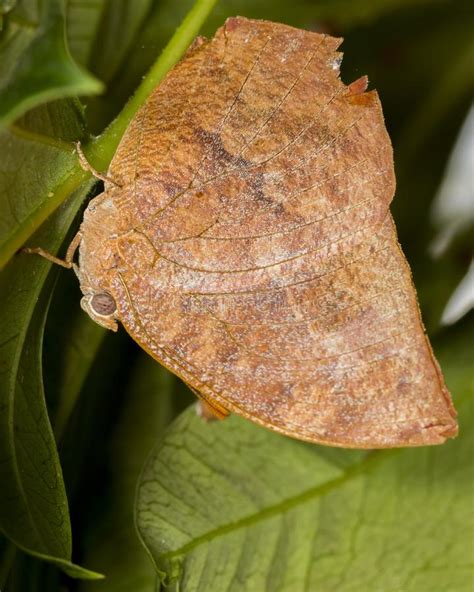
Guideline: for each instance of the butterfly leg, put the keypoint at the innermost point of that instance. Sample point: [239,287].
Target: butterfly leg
[67,262]
[86,166]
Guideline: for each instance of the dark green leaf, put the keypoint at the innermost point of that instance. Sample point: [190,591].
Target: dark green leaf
[5,7]
[29,574]
[231,506]
[35,63]
[33,512]
[121,19]
[7,557]
[33,503]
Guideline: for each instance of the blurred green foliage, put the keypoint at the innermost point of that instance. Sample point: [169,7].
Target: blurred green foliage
[66,393]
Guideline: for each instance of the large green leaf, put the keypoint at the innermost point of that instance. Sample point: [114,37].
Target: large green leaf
[93,29]
[33,504]
[7,557]
[231,506]
[37,157]
[35,63]
[33,509]
[29,574]
[84,340]
[122,20]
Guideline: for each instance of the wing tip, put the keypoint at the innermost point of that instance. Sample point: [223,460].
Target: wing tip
[439,432]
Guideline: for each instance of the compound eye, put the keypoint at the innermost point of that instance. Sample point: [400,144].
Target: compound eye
[103,304]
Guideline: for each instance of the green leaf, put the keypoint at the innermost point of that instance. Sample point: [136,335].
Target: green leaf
[33,504]
[35,63]
[7,557]
[33,508]
[122,20]
[5,7]
[28,574]
[93,29]
[231,506]
[29,194]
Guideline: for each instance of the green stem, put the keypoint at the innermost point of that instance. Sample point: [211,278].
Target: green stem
[101,150]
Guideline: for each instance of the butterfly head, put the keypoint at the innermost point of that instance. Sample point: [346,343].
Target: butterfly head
[97,262]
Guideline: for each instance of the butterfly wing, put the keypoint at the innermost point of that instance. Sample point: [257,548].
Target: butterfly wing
[258,259]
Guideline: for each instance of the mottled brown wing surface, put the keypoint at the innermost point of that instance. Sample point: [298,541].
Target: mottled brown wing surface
[256,254]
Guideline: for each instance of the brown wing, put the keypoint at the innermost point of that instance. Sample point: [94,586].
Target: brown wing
[262,265]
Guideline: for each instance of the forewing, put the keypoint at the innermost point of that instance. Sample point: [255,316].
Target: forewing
[258,259]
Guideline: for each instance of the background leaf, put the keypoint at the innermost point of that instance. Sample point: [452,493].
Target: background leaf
[33,509]
[30,574]
[36,65]
[229,506]
[93,31]
[119,20]
[82,20]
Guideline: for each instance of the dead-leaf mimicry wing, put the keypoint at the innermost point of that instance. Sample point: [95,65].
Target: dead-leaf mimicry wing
[258,259]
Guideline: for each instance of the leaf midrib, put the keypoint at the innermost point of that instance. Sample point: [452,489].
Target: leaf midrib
[42,139]
[372,459]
